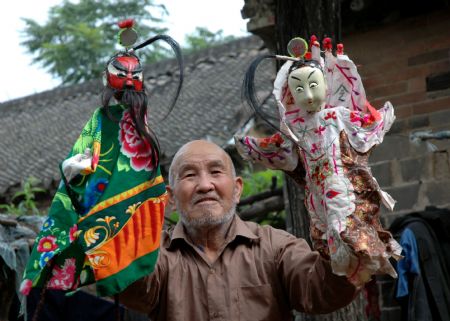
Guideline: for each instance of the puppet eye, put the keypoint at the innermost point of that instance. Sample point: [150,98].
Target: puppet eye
[137,75]
[114,71]
[299,89]
[313,85]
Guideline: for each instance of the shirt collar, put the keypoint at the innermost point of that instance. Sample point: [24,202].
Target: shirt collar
[237,228]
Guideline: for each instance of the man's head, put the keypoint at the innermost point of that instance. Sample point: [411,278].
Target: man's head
[203,184]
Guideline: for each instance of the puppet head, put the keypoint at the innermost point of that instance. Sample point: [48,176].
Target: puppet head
[124,72]
[124,81]
[307,85]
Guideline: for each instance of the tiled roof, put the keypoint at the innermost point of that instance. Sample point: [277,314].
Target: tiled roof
[38,131]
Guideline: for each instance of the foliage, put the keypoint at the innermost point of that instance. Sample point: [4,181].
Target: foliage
[262,181]
[203,38]
[27,203]
[78,38]
[257,182]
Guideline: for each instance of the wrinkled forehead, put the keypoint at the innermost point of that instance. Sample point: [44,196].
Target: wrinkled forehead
[199,154]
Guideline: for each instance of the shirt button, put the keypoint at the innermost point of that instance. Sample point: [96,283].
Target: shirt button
[215,314]
[212,271]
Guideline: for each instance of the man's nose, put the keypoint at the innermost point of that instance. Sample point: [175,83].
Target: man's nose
[205,183]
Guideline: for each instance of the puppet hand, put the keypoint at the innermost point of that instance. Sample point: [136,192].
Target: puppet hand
[273,152]
[76,164]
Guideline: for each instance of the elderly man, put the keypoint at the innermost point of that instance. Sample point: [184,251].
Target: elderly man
[214,266]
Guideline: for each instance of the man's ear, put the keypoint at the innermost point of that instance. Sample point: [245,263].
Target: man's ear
[238,187]
[171,201]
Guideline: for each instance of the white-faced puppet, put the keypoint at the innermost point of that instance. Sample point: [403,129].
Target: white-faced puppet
[327,130]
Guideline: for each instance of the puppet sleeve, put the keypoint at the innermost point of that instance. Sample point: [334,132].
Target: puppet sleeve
[274,152]
[366,130]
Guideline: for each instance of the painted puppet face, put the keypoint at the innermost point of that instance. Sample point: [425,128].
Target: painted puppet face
[125,72]
[308,87]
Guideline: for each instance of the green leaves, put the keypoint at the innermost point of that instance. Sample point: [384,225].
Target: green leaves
[27,203]
[78,38]
[203,38]
[257,182]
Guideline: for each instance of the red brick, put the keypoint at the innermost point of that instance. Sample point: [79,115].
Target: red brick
[432,105]
[417,84]
[429,56]
[403,112]
[407,99]
[389,89]
[394,75]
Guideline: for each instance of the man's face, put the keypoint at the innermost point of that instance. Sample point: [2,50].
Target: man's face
[308,87]
[204,189]
[125,72]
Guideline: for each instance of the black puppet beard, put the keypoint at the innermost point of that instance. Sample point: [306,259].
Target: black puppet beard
[136,103]
[130,98]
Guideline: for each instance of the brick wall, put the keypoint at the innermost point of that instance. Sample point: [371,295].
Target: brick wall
[399,62]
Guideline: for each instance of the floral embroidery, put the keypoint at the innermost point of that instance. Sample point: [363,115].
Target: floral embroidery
[133,146]
[319,130]
[73,233]
[330,115]
[321,171]
[49,222]
[275,139]
[45,257]
[94,190]
[315,148]
[47,244]
[25,286]
[63,278]
[132,208]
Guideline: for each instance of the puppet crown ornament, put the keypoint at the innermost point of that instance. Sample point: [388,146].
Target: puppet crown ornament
[326,132]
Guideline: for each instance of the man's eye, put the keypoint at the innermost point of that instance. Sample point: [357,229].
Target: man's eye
[313,85]
[299,89]
[121,75]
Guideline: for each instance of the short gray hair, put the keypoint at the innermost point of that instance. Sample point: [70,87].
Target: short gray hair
[172,177]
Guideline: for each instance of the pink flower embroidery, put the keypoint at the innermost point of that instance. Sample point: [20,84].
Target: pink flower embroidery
[330,115]
[63,277]
[72,231]
[47,244]
[25,286]
[133,146]
[298,120]
[315,148]
[319,130]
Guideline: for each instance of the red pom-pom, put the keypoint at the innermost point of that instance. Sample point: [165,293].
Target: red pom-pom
[327,44]
[308,55]
[340,49]
[128,23]
[312,40]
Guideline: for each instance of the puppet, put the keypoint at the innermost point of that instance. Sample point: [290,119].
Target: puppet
[327,130]
[106,217]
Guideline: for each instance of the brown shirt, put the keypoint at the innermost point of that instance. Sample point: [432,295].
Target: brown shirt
[262,274]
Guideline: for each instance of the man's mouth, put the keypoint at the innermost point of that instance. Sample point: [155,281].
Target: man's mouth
[205,200]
